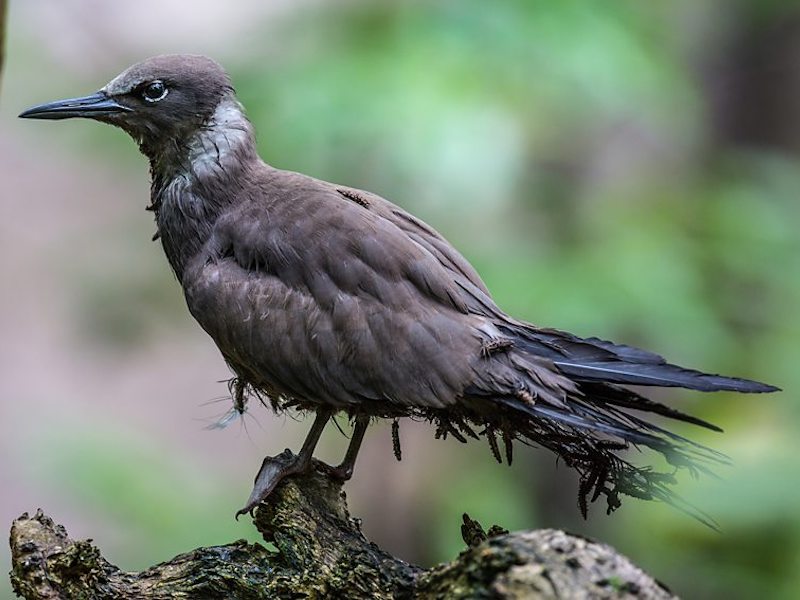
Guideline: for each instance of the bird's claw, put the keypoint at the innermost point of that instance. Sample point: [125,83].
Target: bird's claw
[273,470]
[340,473]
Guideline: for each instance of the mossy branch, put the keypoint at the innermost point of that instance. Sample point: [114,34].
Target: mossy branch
[321,553]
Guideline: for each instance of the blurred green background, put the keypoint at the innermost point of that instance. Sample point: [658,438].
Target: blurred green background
[623,169]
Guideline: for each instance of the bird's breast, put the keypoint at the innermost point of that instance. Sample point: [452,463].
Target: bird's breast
[350,351]
[184,222]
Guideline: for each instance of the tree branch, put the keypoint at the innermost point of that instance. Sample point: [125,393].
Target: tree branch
[321,552]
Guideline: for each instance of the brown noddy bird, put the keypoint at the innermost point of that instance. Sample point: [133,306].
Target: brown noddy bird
[331,299]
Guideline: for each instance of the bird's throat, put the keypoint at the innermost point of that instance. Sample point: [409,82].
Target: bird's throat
[193,181]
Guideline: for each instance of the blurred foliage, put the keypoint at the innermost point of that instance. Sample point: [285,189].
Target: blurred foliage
[573,151]
[132,477]
[2,33]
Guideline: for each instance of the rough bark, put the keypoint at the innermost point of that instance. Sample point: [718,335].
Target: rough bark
[321,553]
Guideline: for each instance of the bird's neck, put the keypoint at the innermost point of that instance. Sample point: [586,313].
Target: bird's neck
[194,180]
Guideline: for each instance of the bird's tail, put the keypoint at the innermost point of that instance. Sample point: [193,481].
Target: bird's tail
[596,360]
[598,420]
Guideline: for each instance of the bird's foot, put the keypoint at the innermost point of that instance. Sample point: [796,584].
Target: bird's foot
[342,472]
[273,470]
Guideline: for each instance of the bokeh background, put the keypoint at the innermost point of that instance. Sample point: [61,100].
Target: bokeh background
[624,169]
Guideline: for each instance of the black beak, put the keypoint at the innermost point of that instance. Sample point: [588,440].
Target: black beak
[92,106]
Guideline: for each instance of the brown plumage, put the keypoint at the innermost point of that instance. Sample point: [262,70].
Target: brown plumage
[331,299]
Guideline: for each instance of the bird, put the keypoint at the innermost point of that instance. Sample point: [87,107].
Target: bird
[327,299]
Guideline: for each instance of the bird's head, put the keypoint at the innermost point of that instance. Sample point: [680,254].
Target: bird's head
[160,102]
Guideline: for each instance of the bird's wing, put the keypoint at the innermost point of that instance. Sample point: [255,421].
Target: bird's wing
[419,231]
[327,299]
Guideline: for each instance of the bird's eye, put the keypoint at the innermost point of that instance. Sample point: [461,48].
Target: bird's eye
[155,91]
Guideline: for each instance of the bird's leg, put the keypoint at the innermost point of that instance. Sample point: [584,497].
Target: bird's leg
[275,468]
[344,471]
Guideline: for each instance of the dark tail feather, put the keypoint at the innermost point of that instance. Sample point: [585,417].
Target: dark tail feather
[625,398]
[664,374]
[593,359]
